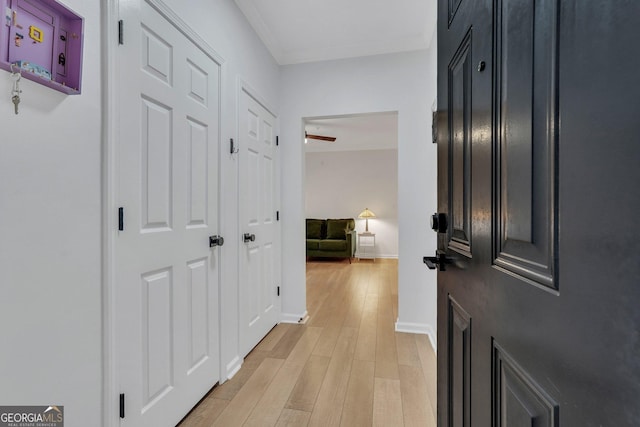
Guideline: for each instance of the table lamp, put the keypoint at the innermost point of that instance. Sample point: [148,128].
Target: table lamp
[366,214]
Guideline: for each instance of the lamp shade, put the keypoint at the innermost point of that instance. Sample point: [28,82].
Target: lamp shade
[366,214]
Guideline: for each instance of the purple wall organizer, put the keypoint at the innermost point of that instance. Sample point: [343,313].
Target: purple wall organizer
[44,38]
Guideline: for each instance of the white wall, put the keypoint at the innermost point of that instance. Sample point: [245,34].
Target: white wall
[342,184]
[50,240]
[405,83]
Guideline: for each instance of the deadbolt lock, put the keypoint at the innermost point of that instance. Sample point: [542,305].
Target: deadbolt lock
[439,222]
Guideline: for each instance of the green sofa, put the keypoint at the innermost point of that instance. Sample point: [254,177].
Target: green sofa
[331,238]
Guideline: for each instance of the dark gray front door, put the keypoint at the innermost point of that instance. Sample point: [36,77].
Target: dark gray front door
[539,178]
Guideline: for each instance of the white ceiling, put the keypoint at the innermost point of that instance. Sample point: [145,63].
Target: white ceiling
[297,31]
[377,131]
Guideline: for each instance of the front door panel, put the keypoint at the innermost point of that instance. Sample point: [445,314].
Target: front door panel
[536,131]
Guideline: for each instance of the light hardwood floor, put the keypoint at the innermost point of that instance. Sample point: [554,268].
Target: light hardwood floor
[345,367]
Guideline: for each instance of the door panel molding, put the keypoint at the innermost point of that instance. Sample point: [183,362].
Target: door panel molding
[460,72]
[518,400]
[198,184]
[156,147]
[173,18]
[157,289]
[453,9]
[459,361]
[526,103]
[199,327]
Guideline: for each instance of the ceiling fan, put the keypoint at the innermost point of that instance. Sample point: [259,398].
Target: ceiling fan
[318,137]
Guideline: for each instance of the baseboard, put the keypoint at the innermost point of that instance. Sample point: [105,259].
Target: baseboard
[419,328]
[304,320]
[294,318]
[233,367]
[433,340]
[380,256]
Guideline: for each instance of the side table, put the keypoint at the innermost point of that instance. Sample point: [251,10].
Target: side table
[367,246]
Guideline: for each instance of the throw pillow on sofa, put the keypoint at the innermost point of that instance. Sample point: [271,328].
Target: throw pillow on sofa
[337,228]
[315,228]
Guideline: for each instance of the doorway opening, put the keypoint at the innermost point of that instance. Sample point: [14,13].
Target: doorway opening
[356,171]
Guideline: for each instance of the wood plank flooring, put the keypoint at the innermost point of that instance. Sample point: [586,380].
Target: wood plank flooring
[346,367]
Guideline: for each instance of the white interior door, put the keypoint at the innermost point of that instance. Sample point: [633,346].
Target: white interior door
[166,276]
[259,307]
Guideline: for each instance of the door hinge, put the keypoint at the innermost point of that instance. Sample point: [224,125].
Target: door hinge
[121,32]
[277,215]
[121,405]
[278,290]
[120,219]
[277,140]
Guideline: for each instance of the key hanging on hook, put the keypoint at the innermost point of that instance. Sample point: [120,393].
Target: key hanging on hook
[15,92]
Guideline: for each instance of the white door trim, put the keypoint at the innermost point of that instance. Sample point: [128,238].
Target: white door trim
[243,85]
[185,29]
[109,225]
[110,13]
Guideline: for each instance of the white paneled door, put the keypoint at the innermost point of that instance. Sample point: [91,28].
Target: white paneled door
[166,275]
[259,309]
